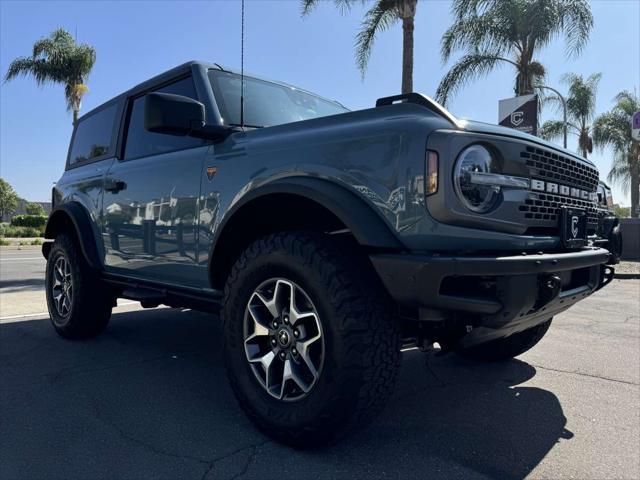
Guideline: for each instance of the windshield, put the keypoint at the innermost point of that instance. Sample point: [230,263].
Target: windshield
[266,103]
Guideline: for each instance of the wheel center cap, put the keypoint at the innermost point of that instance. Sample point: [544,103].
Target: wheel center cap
[283,338]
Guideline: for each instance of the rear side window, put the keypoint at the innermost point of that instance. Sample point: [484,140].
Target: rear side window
[92,138]
[140,142]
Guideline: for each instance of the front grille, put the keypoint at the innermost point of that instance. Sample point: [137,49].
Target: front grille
[543,210]
[551,167]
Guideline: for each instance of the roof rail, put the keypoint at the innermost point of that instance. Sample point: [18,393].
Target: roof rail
[423,100]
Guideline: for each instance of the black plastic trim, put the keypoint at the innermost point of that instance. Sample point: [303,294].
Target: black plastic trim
[414,280]
[82,224]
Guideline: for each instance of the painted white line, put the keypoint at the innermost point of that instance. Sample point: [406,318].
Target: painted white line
[5,259]
[28,315]
[46,314]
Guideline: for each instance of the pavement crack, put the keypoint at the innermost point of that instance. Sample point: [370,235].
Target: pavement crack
[254,451]
[146,445]
[582,374]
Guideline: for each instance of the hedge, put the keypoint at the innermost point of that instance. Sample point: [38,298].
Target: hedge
[34,221]
[11,231]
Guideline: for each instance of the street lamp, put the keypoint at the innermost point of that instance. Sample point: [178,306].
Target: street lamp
[564,110]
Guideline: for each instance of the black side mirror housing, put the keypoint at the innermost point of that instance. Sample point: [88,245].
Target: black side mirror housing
[179,115]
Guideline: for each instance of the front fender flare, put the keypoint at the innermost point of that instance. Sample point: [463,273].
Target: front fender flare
[366,224]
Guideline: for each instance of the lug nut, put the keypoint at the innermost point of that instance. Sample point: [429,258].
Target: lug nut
[296,333]
[294,351]
[275,324]
[273,342]
[283,355]
[286,320]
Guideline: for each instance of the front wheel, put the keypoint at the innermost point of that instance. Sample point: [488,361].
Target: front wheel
[310,342]
[504,349]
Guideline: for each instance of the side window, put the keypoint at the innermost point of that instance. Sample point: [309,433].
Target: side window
[92,137]
[140,142]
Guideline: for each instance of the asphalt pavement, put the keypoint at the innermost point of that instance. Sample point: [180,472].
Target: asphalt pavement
[149,399]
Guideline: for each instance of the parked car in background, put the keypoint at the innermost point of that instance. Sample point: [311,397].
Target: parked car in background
[609,229]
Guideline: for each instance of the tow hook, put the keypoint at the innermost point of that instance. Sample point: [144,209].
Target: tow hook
[606,277]
[549,289]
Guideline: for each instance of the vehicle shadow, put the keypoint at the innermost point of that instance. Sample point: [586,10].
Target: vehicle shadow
[150,399]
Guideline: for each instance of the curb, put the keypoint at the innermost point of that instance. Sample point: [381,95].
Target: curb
[626,276]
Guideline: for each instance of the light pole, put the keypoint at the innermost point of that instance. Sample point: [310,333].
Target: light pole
[564,110]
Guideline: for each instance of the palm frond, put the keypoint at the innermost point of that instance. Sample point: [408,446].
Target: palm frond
[613,129]
[380,17]
[344,6]
[551,129]
[466,69]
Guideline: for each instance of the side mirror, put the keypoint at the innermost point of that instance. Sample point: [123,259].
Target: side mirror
[179,115]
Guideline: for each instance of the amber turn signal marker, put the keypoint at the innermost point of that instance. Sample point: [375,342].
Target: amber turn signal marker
[432,172]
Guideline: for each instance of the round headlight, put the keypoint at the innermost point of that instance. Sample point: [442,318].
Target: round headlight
[477,196]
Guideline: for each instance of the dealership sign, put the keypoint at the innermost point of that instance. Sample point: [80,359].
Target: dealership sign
[635,126]
[520,113]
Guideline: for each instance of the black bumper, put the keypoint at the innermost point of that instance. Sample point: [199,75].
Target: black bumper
[507,293]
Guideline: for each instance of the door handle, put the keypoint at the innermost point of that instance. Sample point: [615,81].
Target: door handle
[113,185]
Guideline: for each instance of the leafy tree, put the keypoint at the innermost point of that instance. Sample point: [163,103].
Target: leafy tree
[491,33]
[379,17]
[581,106]
[8,198]
[621,212]
[58,59]
[613,129]
[34,208]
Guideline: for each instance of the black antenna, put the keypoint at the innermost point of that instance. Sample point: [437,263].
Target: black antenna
[242,67]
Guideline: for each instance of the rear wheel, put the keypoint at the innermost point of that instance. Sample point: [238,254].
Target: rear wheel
[509,347]
[79,303]
[310,343]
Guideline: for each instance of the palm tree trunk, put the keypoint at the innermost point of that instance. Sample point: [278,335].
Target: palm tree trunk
[75,117]
[407,52]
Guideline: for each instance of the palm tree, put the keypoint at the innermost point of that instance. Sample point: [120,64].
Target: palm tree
[498,32]
[379,17]
[613,129]
[581,106]
[59,59]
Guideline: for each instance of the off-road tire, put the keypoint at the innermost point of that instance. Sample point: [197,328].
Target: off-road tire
[91,300]
[507,348]
[361,339]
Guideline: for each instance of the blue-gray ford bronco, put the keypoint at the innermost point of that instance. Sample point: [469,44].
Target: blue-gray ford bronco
[327,239]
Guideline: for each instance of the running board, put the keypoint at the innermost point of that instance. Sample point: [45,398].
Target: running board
[150,295]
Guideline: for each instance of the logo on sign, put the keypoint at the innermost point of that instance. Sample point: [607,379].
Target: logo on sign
[516,118]
[574,226]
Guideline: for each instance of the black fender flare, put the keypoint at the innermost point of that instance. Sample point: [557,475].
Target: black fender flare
[75,215]
[365,223]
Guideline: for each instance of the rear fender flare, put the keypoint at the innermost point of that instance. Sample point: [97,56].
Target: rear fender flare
[74,215]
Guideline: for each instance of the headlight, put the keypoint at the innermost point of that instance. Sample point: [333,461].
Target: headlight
[476,194]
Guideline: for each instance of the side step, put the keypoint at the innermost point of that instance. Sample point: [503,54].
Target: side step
[151,295]
[148,298]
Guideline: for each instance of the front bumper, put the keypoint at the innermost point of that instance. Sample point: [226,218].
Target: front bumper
[501,294]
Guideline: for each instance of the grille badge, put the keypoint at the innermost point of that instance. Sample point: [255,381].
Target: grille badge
[551,187]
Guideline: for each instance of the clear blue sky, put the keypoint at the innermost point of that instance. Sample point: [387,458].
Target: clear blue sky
[135,40]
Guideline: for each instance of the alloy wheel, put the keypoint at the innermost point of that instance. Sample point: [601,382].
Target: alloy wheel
[283,339]
[62,287]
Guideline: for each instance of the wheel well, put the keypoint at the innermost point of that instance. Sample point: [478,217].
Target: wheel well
[263,216]
[60,221]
